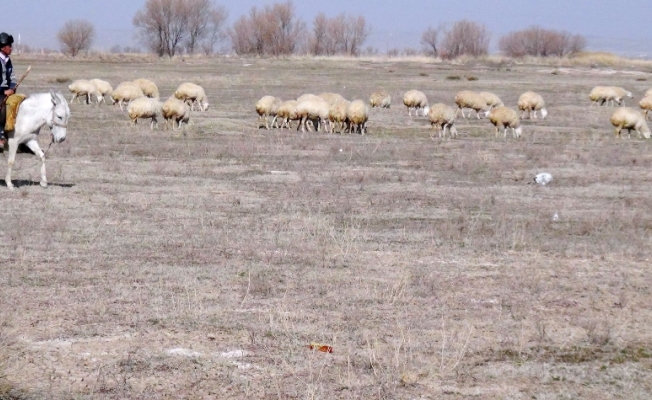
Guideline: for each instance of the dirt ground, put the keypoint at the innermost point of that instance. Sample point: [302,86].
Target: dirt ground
[203,262]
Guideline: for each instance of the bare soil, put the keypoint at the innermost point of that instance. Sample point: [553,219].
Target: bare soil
[202,263]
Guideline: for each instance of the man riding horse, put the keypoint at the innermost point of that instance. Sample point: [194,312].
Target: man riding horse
[7,81]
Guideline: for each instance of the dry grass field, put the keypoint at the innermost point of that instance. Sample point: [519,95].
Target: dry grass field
[202,263]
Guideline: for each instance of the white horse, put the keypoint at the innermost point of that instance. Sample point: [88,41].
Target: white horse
[37,110]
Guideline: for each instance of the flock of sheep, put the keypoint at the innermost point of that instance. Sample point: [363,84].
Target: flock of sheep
[141,97]
[327,110]
[332,111]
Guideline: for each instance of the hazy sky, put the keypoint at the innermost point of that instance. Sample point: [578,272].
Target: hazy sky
[621,26]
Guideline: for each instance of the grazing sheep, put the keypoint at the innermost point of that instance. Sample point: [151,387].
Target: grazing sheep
[629,118]
[145,107]
[492,100]
[646,104]
[175,110]
[287,112]
[621,94]
[380,99]
[83,87]
[417,100]
[308,96]
[125,93]
[315,110]
[542,178]
[472,100]
[507,118]
[442,116]
[148,87]
[191,93]
[531,102]
[268,106]
[331,98]
[337,115]
[357,115]
[600,95]
[104,88]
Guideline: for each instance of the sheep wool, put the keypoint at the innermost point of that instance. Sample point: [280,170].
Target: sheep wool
[646,105]
[530,102]
[507,118]
[287,112]
[468,99]
[268,106]
[314,109]
[442,116]
[331,98]
[104,88]
[192,93]
[414,99]
[630,119]
[145,107]
[83,87]
[148,87]
[175,111]
[380,99]
[337,115]
[492,100]
[125,93]
[357,115]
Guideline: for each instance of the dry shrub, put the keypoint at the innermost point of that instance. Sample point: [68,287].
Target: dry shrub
[539,42]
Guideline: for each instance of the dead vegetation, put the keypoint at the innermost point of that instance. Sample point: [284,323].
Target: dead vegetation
[204,262]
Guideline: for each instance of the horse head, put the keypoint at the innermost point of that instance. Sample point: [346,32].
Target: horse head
[60,115]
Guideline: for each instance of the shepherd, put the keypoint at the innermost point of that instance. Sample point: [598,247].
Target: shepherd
[7,81]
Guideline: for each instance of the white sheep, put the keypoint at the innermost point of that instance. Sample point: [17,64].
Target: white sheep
[315,110]
[148,87]
[83,87]
[648,93]
[104,88]
[268,106]
[287,112]
[600,95]
[175,110]
[492,100]
[331,98]
[646,104]
[380,99]
[357,115]
[308,96]
[442,116]
[191,93]
[531,102]
[630,119]
[145,107]
[337,115]
[125,93]
[621,94]
[417,100]
[468,99]
[507,118]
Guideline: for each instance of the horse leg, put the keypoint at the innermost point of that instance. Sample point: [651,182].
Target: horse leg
[13,148]
[36,149]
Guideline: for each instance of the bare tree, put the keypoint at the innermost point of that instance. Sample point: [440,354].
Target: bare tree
[214,30]
[344,34]
[162,25]
[76,36]
[429,40]
[204,23]
[539,42]
[273,31]
[465,38]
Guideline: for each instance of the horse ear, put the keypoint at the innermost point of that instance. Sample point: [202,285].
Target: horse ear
[55,99]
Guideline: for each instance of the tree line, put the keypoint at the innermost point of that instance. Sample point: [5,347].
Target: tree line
[171,27]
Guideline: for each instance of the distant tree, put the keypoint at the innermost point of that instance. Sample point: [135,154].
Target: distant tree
[539,42]
[465,38]
[429,40]
[343,34]
[214,32]
[274,30]
[76,36]
[166,27]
